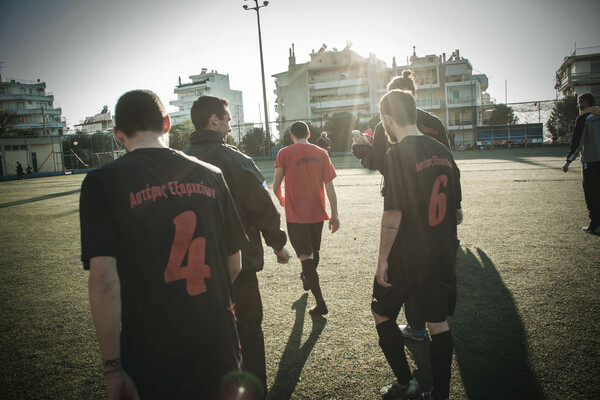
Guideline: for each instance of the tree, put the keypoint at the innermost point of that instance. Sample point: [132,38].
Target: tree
[339,126]
[179,135]
[253,142]
[563,114]
[230,140]
[502,115]
[7,119]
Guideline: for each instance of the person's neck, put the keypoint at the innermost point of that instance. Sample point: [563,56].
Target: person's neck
[303,140]
[401,132]
[147,140]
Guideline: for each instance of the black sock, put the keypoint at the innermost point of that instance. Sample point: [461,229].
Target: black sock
[312,278]
[441,364]
[316,258]
[391,342]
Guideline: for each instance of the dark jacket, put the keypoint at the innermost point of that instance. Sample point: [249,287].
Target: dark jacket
[373,156]
[249,191]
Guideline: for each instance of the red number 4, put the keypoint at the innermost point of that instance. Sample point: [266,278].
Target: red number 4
[437,203]
[196,271]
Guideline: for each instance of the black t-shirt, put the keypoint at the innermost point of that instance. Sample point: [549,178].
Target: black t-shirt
[423,181]
[170,222]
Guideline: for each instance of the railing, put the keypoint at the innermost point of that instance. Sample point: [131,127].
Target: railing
[428,103]
[462,100]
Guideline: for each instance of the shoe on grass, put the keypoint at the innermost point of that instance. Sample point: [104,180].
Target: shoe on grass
[399,391]
[414,334]
[592,228]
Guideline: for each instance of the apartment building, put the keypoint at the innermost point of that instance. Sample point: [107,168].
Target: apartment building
[332,81]
[206,83]
[448,88]
[579,73]
[337,81]
[102,122]
[34,107]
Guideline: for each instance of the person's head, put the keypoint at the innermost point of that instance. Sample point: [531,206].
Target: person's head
[210,112]
[585,100]
[404,82]
[140,111]
[398,109]
[324,135]
[300,130]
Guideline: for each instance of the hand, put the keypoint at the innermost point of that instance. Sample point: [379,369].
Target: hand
[282,201]
[459,216]
[120,386]
[565,166]
[334,224]
[283,255]
[381,274]
[360,150]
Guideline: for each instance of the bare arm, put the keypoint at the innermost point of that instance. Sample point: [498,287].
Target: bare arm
[459,216]
[390,224]
[105,302]
[235,265]
[279,174]
[334,221]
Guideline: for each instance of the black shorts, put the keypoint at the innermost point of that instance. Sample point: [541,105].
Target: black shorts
[435,301]
[305,238]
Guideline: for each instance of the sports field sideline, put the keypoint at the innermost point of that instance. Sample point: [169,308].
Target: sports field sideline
[525,326]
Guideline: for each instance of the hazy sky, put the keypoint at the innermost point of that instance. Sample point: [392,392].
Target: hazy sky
[89,52]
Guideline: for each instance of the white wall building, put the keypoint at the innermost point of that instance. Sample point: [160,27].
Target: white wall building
[206,83]
[102,122]
[332,81]
[579,73]
[44,154]
[33,106]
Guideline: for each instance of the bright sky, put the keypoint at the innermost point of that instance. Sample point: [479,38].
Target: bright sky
[89,52]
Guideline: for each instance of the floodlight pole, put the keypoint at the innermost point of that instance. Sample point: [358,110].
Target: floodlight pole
[262,70]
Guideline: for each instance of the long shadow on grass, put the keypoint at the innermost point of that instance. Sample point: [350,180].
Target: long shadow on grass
[34,199]
[490,342]
[295,354]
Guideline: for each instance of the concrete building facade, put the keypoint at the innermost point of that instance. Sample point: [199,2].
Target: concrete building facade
[102,122]
[579,73]
[34,108]
[44,154]
[206,83]
[338,81]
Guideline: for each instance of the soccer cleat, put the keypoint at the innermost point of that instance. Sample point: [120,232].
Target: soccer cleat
[591,228]
[304,282]
[398,391]
[319,310]
[414,334]
[428,396]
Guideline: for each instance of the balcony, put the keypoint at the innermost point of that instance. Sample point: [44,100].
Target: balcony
[466,101]
[23,96]
[338,83]
[460,124]
[428,104]
[342,103]
[583,78]
[30,110]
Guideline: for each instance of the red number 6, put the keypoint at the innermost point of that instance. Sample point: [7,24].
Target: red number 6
[437,203]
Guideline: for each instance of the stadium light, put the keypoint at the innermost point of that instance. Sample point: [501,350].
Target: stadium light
[262,70]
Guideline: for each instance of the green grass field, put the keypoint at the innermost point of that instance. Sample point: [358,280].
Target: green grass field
[525,325]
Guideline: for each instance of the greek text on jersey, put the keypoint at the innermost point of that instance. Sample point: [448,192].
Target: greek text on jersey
[170,189]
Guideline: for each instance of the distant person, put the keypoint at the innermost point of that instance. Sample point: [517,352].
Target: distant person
[161,239]
[418,243]
[373,158]
[306,169]
[29,169]
[586,140]
[324,142]
[211,118]
[451,138]
[19,171]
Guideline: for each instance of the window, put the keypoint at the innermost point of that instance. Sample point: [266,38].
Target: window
[22,119]
[594,67]
[1,90]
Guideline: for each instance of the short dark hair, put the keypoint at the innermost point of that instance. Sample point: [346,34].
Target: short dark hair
[204,107]
[404,82]
[139,110]
[587,98]
[400,106]
[299,129]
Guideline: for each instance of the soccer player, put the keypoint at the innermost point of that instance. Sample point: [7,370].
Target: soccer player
[418,243]
[161,239]
[211,118]
[373,157]
[586,139]
[306,168]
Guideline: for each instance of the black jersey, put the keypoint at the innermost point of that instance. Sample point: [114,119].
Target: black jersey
[423,181]
[170,222]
